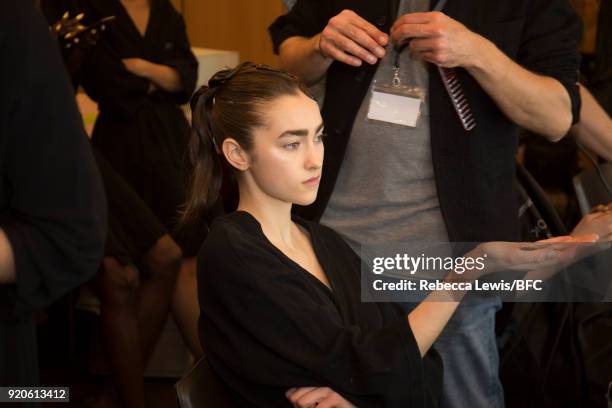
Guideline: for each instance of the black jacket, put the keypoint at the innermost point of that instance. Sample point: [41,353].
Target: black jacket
[473,171]
[52,204]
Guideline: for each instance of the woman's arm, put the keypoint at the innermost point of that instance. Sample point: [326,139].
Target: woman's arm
[430,317]
[162,76]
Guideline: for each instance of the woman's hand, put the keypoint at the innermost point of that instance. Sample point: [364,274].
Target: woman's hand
[162,76]
[552,253]
[138,66]
[319,397]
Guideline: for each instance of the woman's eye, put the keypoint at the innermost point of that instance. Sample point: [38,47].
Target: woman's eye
[291,146]
[319,137]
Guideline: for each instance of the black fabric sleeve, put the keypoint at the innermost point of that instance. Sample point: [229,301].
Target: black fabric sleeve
[289,337]
[109,83]
[549,45]
[56,216]
[306,19]
[183,61]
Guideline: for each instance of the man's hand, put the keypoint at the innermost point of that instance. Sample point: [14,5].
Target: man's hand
[438,38]
[597,222]
[319,397]
[350,39]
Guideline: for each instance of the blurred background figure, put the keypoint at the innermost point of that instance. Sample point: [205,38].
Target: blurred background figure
[52,212]
[139,70]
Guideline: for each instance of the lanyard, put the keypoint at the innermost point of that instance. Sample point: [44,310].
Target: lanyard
[396,65]
[449,79]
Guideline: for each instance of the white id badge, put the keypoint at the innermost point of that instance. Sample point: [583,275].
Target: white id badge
[399,105]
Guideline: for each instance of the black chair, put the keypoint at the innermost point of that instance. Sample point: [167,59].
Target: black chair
[201,388]
[590,189]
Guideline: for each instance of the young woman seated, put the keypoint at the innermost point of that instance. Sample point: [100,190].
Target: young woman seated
[281,319]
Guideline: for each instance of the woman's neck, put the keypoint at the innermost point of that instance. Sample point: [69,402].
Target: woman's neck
[273,215]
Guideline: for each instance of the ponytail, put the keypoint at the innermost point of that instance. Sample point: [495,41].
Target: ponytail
[204,155]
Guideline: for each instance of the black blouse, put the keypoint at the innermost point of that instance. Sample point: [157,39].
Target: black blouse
[268,325]
[104,77]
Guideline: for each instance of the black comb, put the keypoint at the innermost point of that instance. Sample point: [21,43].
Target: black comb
[457,96]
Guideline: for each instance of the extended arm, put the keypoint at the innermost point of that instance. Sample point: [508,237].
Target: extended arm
[595,127]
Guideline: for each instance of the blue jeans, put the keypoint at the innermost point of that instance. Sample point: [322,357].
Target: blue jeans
[471,360]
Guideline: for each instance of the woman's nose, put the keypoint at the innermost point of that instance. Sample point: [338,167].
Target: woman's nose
[314,156]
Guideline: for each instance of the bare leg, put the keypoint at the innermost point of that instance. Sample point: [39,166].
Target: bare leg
[163,262]
[118,288]
[185,306]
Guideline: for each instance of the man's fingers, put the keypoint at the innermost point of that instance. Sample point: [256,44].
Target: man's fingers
[381,38]
[351,39]
[349,46]
[424,45]
[407,31]
[418,18]
[363,40]
[341,56]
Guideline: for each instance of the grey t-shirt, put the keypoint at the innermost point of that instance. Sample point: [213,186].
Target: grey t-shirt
[386,191]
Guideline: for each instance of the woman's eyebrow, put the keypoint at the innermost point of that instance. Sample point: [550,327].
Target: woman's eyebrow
[299,132]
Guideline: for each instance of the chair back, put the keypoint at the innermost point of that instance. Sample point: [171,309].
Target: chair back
[590,189]
[201,388]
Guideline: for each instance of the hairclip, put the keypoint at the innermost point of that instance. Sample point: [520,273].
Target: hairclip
[225,75]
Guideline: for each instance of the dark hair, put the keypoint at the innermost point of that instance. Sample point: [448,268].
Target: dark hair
[230,106]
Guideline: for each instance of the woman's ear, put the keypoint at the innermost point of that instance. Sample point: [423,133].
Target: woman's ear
[235,155]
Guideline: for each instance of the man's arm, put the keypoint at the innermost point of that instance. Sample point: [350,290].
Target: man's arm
[7,260]
[595,127]
[347,38]
[535,102]
[302,57]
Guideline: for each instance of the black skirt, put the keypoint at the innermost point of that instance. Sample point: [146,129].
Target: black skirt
[148,152]
[133,229]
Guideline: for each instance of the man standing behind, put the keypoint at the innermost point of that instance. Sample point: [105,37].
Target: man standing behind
[52,206]
[431,180]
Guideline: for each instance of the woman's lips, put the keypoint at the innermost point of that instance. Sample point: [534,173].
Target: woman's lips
[312,181]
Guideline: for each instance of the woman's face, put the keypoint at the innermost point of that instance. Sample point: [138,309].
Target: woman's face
[287,153]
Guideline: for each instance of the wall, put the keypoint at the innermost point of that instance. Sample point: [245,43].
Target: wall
[239,25]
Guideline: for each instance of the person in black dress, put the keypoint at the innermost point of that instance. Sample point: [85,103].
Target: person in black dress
[281,320]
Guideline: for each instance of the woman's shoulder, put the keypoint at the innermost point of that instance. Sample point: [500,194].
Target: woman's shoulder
[231,229]
[233,239]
